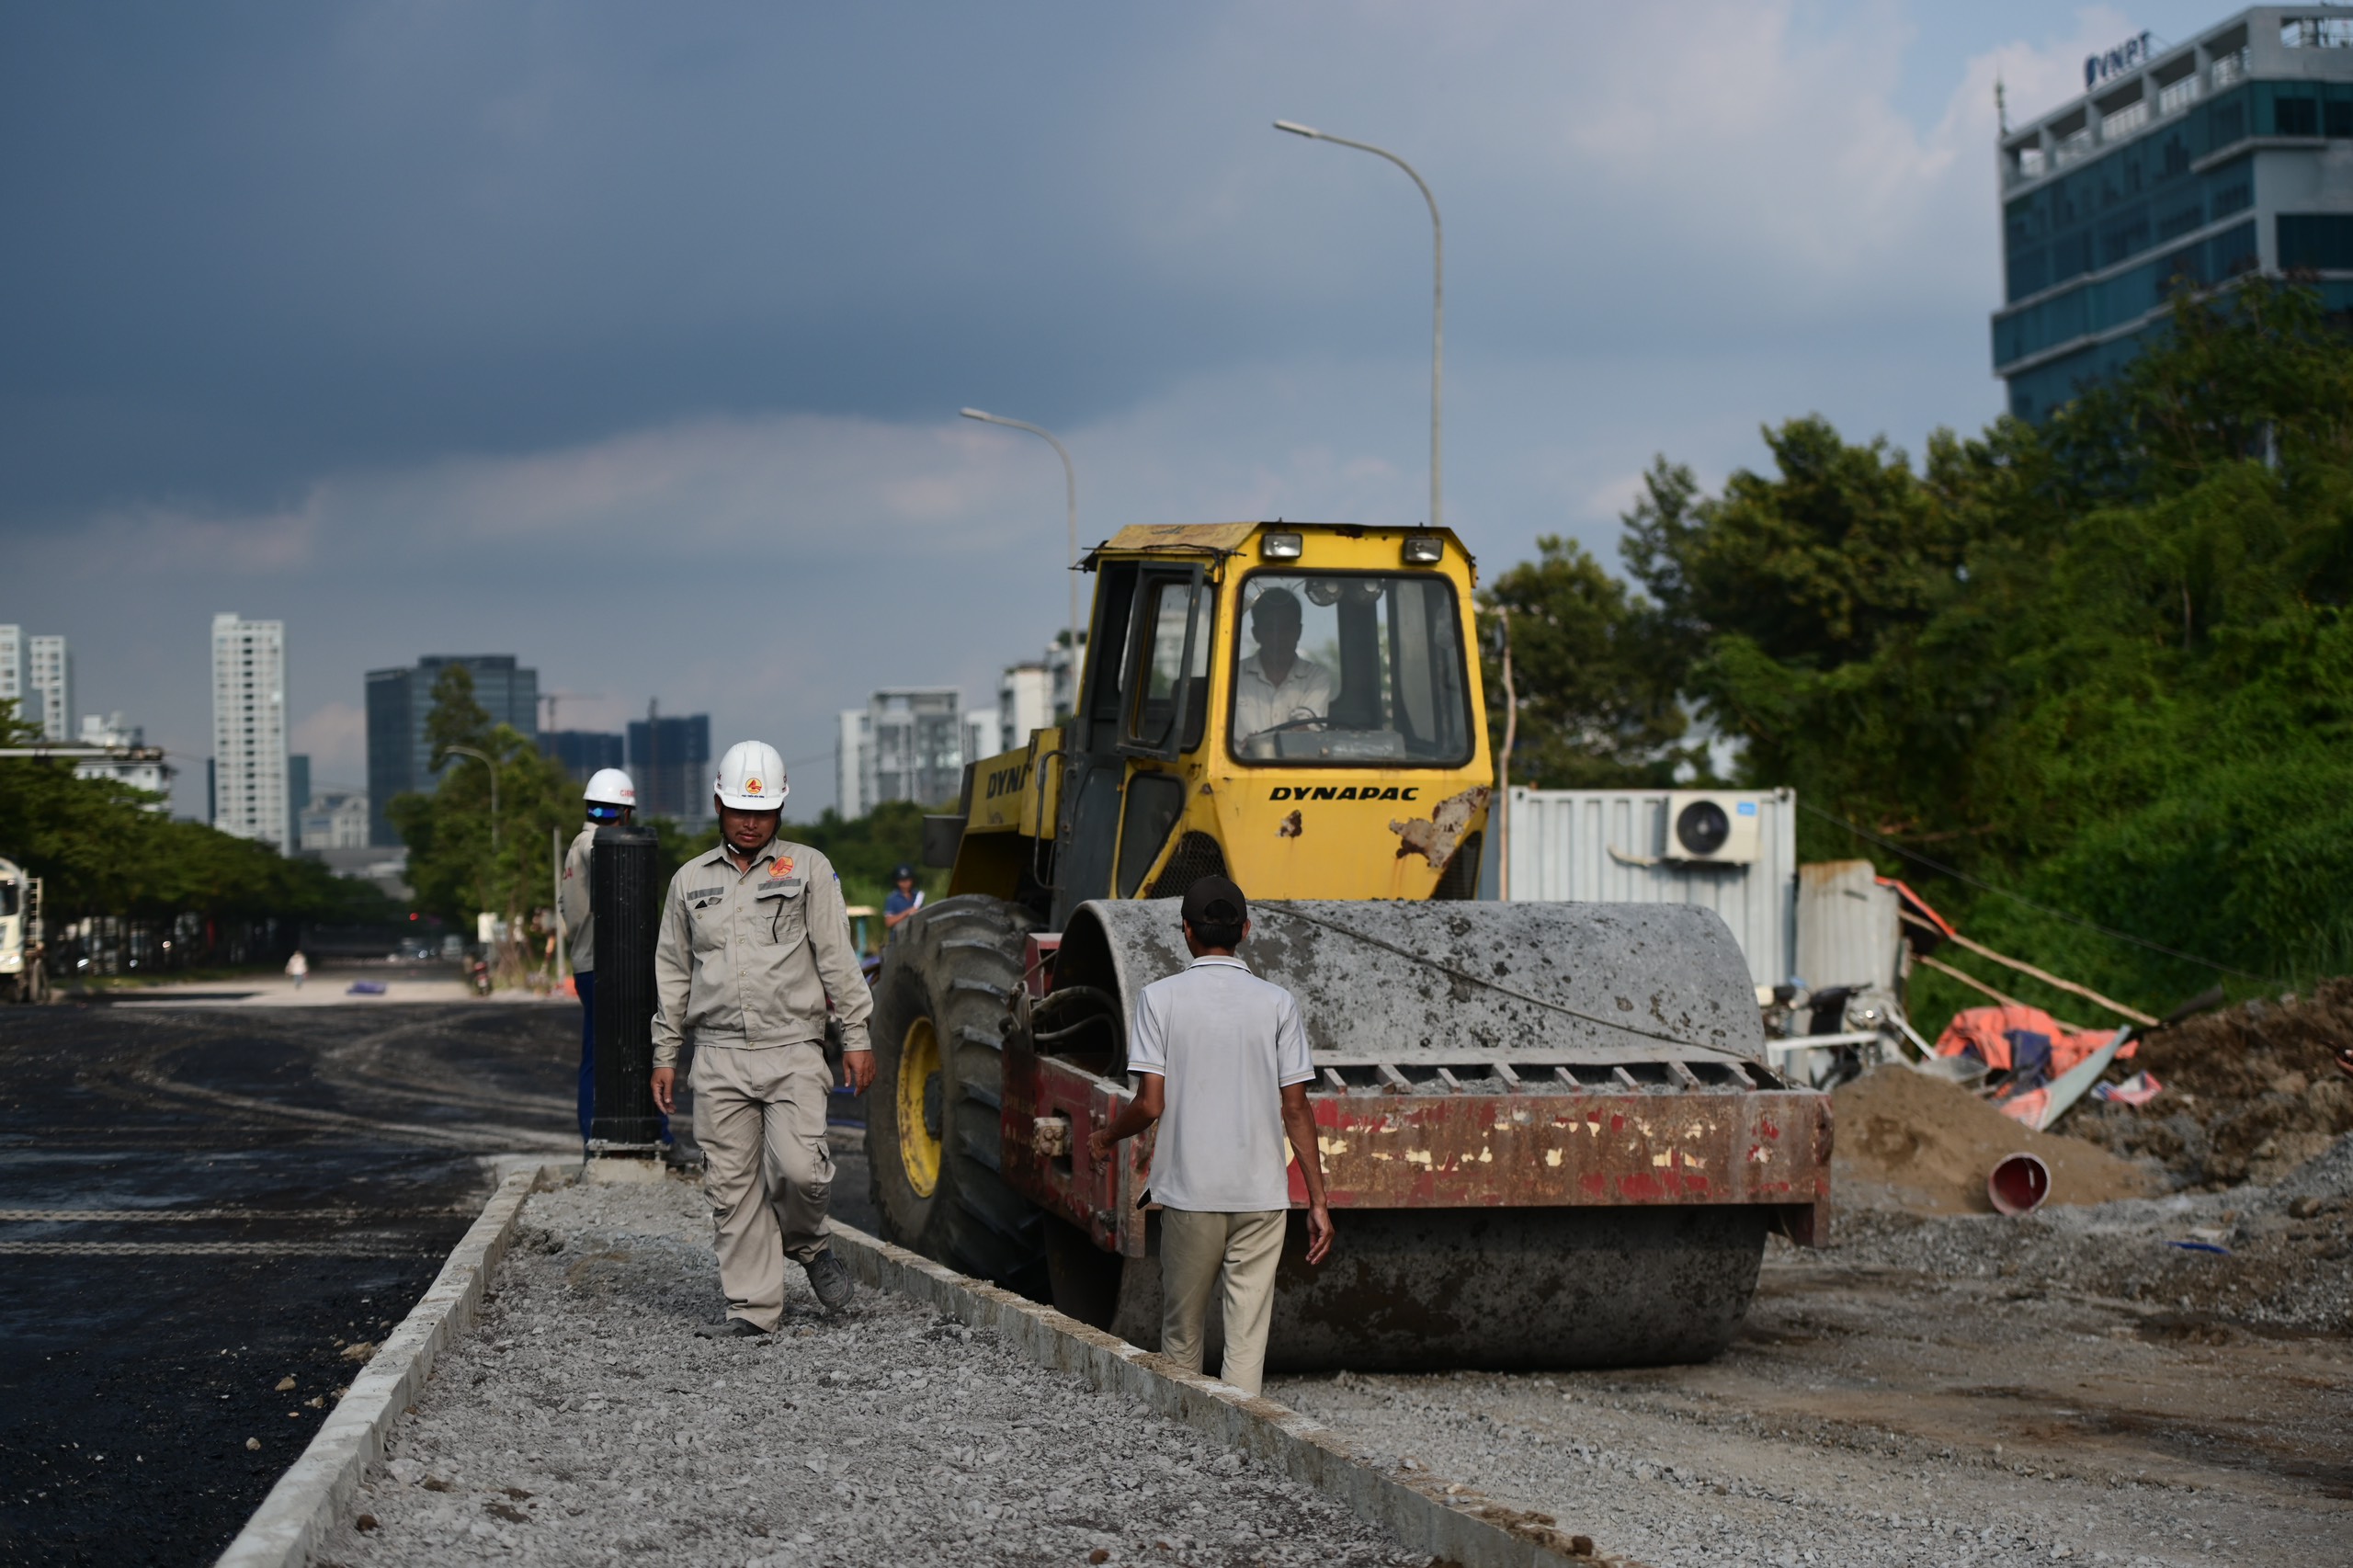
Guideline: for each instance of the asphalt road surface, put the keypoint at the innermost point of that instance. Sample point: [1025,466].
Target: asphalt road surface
[198,1203]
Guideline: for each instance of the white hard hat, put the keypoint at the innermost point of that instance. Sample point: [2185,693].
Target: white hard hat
[610,787]
[751,777]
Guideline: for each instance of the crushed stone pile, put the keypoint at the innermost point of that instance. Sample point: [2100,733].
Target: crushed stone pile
[2250,1092]
[2203,1265]
[1902,1140]
[580,1422]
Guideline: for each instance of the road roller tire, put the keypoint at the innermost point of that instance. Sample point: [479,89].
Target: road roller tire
[948,979]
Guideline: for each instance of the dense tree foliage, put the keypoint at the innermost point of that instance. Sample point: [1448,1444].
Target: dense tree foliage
[2104,665]
[101,850]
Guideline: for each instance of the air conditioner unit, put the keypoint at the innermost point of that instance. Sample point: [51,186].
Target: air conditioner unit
[1711,827]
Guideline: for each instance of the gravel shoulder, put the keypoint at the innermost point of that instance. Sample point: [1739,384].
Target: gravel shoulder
[1944,1390]
[580,1422]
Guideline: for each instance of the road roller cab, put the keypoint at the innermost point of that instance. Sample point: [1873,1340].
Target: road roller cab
[1549,1131]
[1294,705]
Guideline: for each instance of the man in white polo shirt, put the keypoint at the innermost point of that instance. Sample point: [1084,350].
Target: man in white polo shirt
[1219,1058]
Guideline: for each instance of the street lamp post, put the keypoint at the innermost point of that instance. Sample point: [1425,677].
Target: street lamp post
[1437,298]
[1069,498]
[486,762]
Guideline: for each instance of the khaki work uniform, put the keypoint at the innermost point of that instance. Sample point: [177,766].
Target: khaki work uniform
[579,912]
[578,909]
[747,960]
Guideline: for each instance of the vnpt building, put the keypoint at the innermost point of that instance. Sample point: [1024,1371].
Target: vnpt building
[669,761]
[2179,166]
[400,758]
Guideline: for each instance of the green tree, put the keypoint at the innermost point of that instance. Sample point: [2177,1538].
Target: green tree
[1595,673]
[101,848]
[2104,663]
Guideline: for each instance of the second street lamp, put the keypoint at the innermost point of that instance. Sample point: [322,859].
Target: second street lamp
[1438,296]
[1070,497]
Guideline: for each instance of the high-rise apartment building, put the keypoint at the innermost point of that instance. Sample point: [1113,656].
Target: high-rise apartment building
[12,669]
[905,745]
[669,761]
[249,730]
[400,758]
[49,683]
[2180,166]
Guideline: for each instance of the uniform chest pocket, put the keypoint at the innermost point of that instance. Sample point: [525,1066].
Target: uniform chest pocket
[707,917]
[780,917]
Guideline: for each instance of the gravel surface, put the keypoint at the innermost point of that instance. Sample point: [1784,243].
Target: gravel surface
[580,1422]
[2071,1385]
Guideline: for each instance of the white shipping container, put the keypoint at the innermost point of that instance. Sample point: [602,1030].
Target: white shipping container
[1610,847]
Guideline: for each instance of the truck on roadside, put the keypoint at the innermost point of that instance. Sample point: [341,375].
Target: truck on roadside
[24,974]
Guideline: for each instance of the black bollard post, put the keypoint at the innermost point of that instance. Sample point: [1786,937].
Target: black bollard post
[622,1122]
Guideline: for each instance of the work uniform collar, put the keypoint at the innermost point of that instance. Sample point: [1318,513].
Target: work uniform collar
[766,854]
[1226,959]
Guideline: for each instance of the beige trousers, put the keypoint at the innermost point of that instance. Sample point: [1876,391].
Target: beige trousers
[760,1118]
[1195,1249]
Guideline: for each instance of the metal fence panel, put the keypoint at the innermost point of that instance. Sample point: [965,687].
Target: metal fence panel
[1561,851]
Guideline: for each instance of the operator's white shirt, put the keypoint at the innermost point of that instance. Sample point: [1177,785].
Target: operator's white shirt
[1260,704]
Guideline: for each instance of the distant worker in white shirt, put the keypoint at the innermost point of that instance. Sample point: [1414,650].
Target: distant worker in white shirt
[1275,685]
[1219,1058]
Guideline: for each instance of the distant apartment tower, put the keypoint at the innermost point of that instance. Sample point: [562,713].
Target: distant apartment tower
[980,736]
[669,761]
[1024,703]
[12,669]
[2184,165]
[580,753]
[49,680]
[249,730]
[400,758]
[905,745]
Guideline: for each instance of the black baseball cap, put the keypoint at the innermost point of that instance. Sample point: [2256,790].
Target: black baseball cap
[904,874]
[1215,901]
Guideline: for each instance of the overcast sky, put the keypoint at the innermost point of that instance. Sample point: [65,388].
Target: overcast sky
[630,339]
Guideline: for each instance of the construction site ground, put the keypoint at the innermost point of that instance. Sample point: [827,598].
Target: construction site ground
[2155,1367]
[582,1422]
[2165,1377]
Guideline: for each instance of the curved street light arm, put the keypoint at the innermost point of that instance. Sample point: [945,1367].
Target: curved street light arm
[486,760]
[1438,304]
[1070,500]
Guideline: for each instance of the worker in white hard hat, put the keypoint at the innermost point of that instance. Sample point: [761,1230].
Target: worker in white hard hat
[754,951]
[611,801]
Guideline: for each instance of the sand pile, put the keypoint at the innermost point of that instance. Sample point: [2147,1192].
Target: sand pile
[1903,1140]
[2250,1093]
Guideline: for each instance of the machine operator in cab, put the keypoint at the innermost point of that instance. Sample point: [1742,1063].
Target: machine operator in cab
[755,949]
[1275,687]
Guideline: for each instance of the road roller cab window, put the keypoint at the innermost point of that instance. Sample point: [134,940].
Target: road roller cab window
[1350,667]
[1170,665]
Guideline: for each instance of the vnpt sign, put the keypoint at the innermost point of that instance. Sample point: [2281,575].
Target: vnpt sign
[2129,55]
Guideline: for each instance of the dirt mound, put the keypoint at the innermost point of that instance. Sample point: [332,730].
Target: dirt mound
[2250,1092]
[1908,1141]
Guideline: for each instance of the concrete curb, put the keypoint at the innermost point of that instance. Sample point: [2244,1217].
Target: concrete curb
[295,1517]
[1451,1523]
